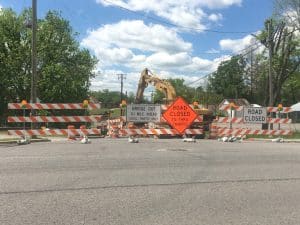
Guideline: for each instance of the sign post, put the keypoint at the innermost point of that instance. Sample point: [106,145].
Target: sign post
[232,107]
[85,105]
[24,103]
[279,108]
[180,115]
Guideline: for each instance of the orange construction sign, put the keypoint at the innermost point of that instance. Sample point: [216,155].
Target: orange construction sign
[180,115]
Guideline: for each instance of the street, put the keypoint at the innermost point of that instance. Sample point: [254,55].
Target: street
[156,181]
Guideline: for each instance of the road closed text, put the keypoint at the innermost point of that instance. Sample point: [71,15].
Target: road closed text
[255,115]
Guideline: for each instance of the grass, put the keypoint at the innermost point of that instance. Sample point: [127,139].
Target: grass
[295,135]
[9,139]
[114,112]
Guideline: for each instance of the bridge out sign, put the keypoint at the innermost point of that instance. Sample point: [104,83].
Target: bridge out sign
[255,115]
[143,113]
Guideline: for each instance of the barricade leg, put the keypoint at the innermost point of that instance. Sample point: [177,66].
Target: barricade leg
[71,135]
[213,131]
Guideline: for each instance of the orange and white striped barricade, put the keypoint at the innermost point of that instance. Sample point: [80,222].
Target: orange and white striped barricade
[242,131]
[53,119]
[84,132]
[225,131]
[228,107]
[113,131]
[240,120]
[213,131]
[114,125]
[279,120]
[41,132]
[82,129]
[229,120]
[72,132]
[53,106]
[157,132]
[283,110]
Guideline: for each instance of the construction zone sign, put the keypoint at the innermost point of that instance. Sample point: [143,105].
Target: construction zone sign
[180,115]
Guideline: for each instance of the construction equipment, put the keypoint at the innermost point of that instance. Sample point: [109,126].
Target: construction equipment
[146,78]
[160,84]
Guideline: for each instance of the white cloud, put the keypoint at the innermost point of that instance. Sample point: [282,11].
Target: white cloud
[218,4]
[187,68]
[108,79]
[243,46]
[118,43]
[212,51]
[133,45]
[215,17]
[165,60]
[136,35]
[186,13]
[236,45]
[292,18]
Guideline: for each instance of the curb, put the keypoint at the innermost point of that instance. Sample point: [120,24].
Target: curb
[270,140]
[31,141]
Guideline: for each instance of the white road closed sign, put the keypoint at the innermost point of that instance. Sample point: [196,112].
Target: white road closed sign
[143,113]
[255,115]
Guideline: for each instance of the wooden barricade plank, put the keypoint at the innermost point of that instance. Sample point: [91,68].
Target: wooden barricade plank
[57,106]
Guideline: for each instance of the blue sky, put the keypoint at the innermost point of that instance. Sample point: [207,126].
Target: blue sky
[172,38]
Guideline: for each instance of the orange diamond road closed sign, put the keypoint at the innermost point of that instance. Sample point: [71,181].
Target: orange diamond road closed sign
[180,115]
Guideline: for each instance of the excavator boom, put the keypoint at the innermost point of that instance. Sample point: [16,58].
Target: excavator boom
[159,84]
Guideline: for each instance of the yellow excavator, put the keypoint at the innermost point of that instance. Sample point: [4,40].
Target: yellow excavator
[147,77]
[160,84]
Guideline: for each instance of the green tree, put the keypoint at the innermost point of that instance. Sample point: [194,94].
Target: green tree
[64,69]
[181,89]
[130,97]
[283,44]
[207,97]
[229,79]
[14,59]
[109,99]
[291,90]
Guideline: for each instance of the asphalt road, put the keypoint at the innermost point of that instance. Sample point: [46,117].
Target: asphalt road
[152,182]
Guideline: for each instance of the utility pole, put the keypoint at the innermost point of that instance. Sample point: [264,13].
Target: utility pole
[270,46]
[33,93]
[121,77]
[251,73]
[152,97]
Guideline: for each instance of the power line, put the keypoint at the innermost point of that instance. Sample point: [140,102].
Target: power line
[241,55]
[257,45]
[176,25]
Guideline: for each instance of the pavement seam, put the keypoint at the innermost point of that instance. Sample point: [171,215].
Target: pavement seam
[153,185]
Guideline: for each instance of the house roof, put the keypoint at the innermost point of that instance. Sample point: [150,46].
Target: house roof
[236,101]
[296,107]
[256,105]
